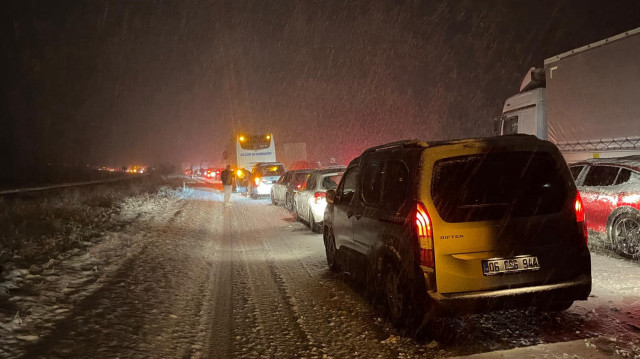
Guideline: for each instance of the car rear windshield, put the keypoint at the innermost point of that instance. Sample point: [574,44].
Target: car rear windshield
[331,181]
[498,185]
[271,170]
[298,178]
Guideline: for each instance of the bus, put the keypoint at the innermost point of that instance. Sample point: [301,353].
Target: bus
[245,150]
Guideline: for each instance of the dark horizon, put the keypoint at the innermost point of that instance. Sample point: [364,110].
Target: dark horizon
[118,83]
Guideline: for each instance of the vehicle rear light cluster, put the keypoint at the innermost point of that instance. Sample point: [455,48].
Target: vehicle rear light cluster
[257,181]
[424,231]
[580,217]
[319,196]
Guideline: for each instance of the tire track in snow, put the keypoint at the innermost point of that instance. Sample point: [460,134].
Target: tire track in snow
[337,319]
[278,324]
[220,316]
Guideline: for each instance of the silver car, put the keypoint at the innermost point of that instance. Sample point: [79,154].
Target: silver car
[288,184]
[310,202]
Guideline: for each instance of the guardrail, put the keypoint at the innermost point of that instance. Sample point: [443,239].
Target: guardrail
[65,185]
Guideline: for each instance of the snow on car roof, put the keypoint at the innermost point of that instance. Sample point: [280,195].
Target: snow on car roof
[632,162]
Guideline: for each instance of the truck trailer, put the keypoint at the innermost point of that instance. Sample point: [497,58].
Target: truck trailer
[586,101]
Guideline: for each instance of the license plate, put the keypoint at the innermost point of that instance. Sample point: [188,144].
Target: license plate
[509,265]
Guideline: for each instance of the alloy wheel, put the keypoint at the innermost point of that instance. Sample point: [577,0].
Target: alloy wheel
[626,235]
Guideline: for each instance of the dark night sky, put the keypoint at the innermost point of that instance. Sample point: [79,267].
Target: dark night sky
[115,82]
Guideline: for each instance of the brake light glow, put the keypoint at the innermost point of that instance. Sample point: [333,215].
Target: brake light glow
[424,232]
[256,181]
[319,196]
[580,217]
[579,208]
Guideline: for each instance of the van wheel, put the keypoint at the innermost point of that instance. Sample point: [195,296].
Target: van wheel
[625,234]
[331,250]
[396,294]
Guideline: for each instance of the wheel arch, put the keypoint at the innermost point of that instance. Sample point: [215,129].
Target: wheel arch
[615,214]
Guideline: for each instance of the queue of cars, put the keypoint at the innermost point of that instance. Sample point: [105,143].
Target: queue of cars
[302,192]
[468,225]
[287,186]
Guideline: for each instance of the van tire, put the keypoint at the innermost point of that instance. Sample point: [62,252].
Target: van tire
[397,295]
[331,250]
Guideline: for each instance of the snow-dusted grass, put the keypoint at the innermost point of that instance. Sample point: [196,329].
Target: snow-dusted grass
[36,227]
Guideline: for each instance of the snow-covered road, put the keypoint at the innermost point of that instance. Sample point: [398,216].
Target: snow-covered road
[197,280]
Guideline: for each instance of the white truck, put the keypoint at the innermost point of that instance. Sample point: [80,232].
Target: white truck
[586,101]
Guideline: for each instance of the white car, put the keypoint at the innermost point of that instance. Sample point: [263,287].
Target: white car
[310,202]
[263,176]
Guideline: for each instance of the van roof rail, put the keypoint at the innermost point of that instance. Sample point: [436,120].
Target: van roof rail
[415,143]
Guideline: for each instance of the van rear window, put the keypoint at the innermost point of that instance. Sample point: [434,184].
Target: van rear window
[493,186]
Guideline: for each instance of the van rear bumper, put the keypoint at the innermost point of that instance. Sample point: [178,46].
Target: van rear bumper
[539,295]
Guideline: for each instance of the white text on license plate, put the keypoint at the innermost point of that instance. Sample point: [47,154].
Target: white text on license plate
[509,265]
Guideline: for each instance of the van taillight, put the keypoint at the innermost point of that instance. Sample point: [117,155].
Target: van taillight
[424,231]
[580,217]
[319,196]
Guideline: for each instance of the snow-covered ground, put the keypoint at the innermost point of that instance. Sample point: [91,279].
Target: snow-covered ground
[190,278]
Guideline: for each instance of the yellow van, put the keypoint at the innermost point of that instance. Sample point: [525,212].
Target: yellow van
[461,226]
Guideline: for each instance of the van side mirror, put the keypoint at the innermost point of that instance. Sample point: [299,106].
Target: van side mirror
[331,196]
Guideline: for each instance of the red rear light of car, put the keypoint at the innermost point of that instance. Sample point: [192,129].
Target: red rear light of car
[424,232]
[318,196]
[580,217]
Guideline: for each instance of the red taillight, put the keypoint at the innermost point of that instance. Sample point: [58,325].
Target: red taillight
[257,181]
[424,231]
[580,217]
[299,186]
[579,208]
[318,196]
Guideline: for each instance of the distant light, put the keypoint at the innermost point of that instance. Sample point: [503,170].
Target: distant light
[241,138]
[268,137]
